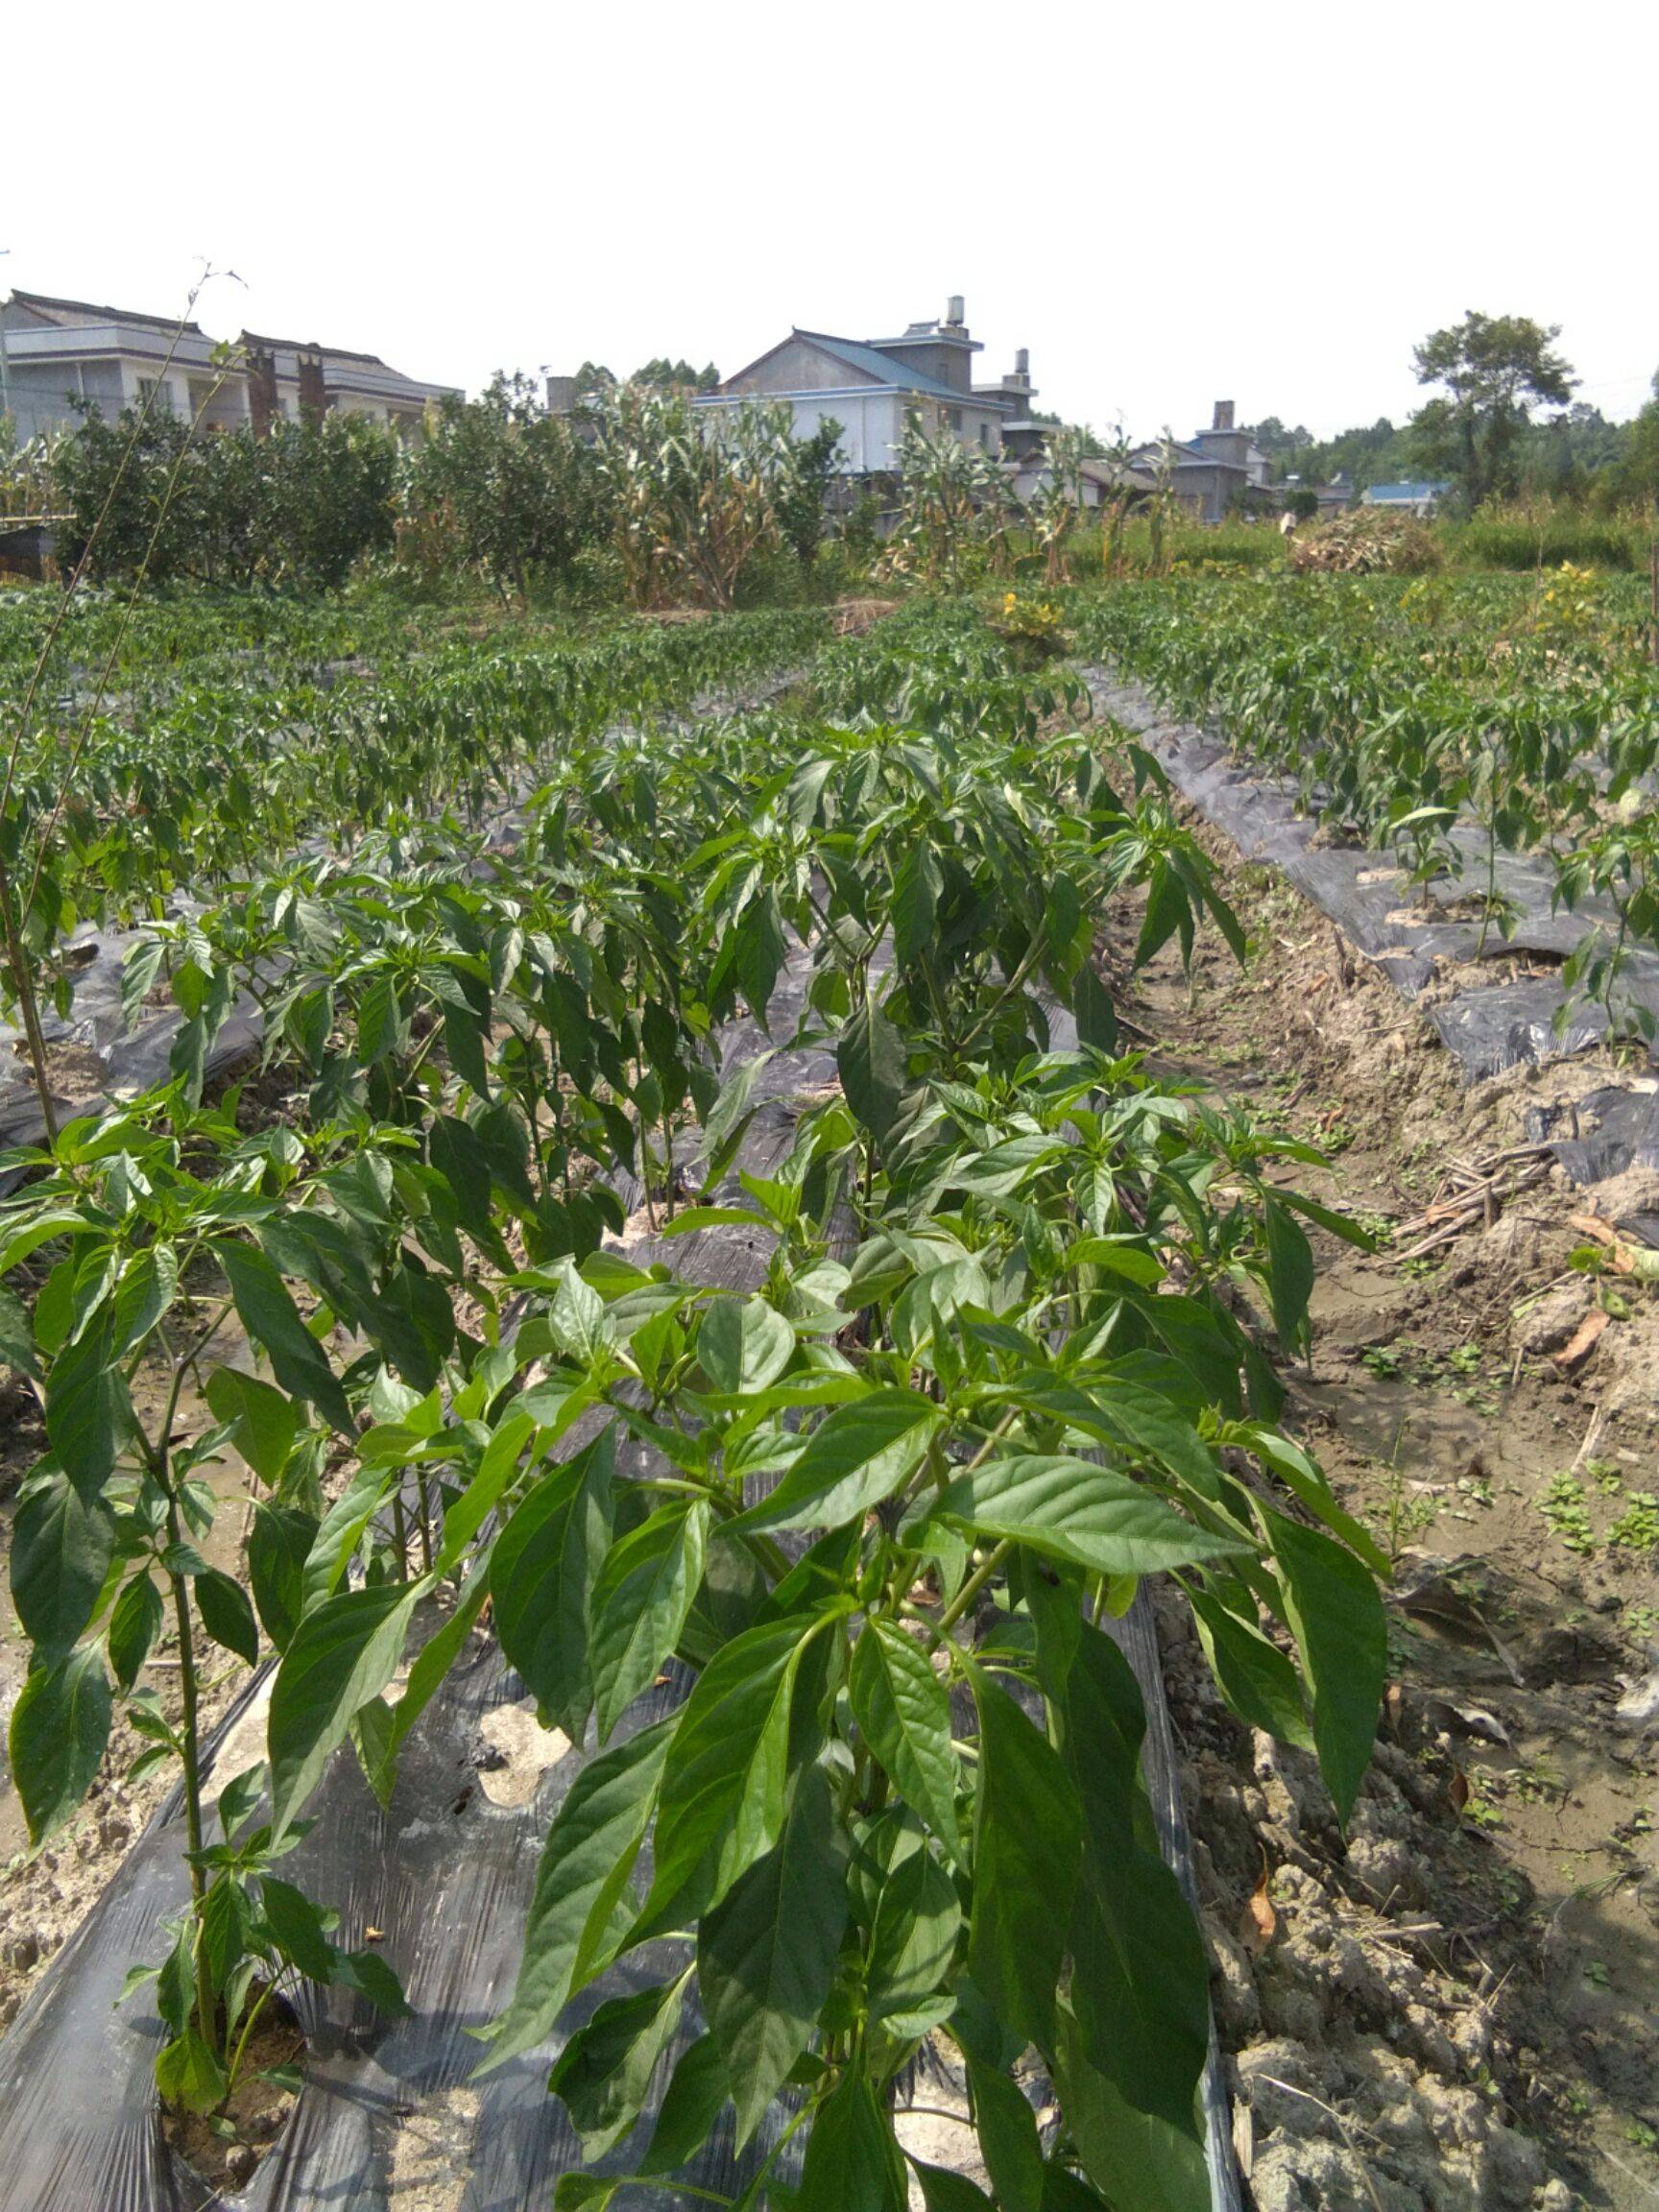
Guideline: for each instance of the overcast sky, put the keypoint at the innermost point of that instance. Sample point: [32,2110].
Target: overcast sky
[1268,203]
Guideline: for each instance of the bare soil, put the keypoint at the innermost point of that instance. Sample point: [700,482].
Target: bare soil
[1451,2005]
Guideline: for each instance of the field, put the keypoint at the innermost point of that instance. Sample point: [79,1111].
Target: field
[672,1287]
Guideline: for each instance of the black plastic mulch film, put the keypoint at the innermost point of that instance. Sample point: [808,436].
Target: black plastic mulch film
[389,2118]
[1486,1027]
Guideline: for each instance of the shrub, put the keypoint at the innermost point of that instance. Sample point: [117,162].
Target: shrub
[1544,533]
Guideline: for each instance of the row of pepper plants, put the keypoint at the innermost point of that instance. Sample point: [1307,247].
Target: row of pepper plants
[135,775]
[1008,1358]
[1451,722]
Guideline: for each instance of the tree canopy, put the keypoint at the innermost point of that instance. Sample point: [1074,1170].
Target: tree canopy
[1493,370]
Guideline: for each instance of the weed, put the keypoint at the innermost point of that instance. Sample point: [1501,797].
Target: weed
[1562,1505]
[1636,1528]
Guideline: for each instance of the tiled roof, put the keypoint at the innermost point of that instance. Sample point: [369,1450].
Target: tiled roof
[310,346]
[883,367]
[43,303]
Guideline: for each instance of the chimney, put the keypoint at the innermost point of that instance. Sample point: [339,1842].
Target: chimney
[1223,415]
[312,393]
[955,312]
[262,402]
[560,395]
[1023,361]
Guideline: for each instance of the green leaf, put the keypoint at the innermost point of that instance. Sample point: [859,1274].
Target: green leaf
[584,2192]
[1335,1612]
[148,1283]
[497,1466]
[853,2163]
[767,1957]
[581,1882]
[432,1662]
[857,1455]
[1075,1510]
[723,1784]
[222,1929]
[604,2071]
[341,1655]
[1093,1009]
[943,2191]
[61,1545]
[272,1319]
[1064,2191]
[380,1021]
[278,1545]
[1139,1985]
[87,1408]
[59,1727]
[1303,1475]
[188,2074]
[1139,2162]
[461,1161]
[690,2106]
[1253,1674]
[134,1624]
[1121,1409]
[869,1060]
[1289,1273]
[913,1943]
[743,1344]
[371,1977]
[227,1613]
[904,1715]
[296,1929]
[576,1316]
[1007,2130]
[17,1335]
[641,1601]
[544,1567]
[262,1422]
[1027,1857]
[917,883]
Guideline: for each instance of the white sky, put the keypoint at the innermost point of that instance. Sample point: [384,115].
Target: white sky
[1167,205]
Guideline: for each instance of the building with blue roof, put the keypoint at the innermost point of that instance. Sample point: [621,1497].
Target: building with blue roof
[870,385]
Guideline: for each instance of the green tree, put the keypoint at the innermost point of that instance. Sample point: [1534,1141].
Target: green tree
[516,492]
[802,487]
[330,490]
[1494,369]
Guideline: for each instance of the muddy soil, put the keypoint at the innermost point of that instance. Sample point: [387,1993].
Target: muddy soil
[1455,2004]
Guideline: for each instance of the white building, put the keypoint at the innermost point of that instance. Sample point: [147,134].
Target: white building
[57,353]
[54,352]
[869,386]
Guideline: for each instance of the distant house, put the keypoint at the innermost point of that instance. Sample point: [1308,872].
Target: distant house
[56,353]
[61,356]
[1030,475]
[1412,497]
[870,385]
[284,376]
[1329,499]
[1214,472]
